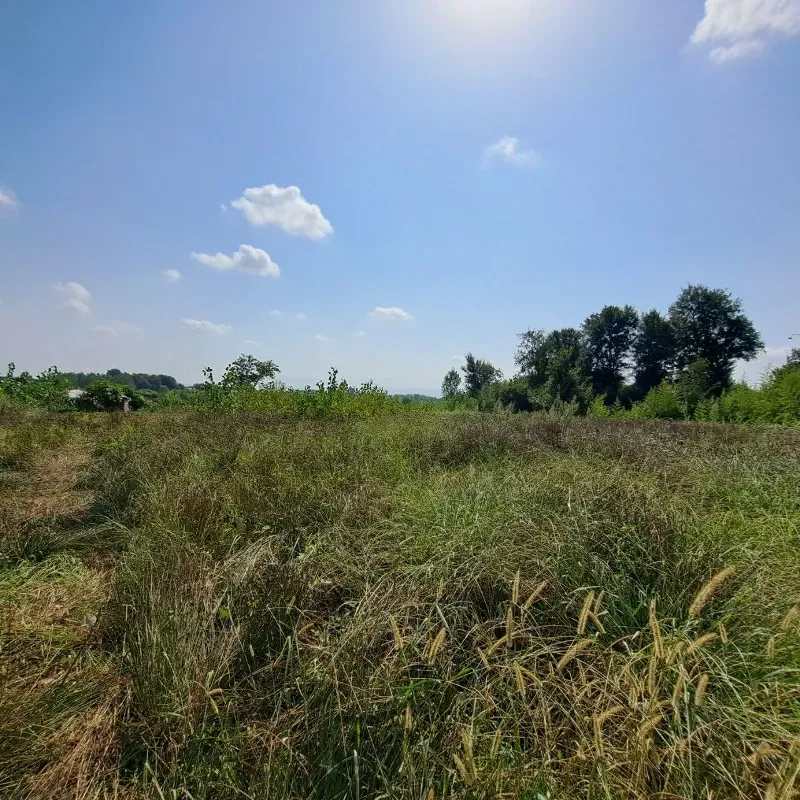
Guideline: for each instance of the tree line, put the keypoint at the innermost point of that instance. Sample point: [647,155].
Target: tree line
[134,380]
[619,355]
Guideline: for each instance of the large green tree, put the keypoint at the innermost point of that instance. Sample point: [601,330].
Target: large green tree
[537,350]
[653,351]
[478,373]
[554,364]
[709,324]
[608,338]
[451,383]
[249,371]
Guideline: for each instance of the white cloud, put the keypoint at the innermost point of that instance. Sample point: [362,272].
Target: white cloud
[301,315]
[207,327]
[223,207]
[507,149]
[456,358]
[252,342]
[76,296]
[320,338]
[739,27]
[274,313]
[171,275]
[7,198]
[285,207]
[245,259]
[359,334]
[390,314]
[749,47]
[118,329]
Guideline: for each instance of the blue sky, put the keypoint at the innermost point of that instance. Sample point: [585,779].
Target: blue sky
[426,176]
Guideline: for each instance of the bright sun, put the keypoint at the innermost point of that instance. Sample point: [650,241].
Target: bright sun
[485,22]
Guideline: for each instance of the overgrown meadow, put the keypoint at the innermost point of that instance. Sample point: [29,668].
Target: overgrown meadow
[397,605]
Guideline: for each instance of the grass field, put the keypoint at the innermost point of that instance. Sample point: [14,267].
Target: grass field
[409,606]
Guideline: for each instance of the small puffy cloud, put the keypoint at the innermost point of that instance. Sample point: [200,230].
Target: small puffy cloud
[507,149]
[76,296]
[739,28]
[207,327]
[118,329]
[301,315]
[390,314]
[285,207]
[245,259]
[7,198]
[274,313]
[171,275]
[321,338]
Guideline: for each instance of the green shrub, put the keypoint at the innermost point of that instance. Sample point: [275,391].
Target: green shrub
[661,402]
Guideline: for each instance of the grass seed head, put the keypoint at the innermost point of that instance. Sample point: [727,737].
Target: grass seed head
[708,590]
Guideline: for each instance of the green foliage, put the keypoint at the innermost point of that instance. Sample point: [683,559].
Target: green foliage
[451,384]
[247,370]
[131,380]
[709,324]
[599,409]
[333,397]
[102,395]
[661,402]
[608,337]
[478,373]
[48,390]
[653,351]
[510,395]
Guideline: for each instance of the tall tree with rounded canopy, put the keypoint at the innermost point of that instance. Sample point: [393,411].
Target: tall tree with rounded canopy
[709,324]
[608,337]
[249,371]
[653,351]
[451,383]
[478,373]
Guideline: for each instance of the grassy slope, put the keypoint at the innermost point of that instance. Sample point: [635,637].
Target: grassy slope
[405,607]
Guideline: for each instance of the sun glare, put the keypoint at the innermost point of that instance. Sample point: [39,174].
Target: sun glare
[489,26]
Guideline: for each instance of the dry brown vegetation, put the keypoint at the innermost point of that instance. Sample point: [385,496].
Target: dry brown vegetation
[414,606]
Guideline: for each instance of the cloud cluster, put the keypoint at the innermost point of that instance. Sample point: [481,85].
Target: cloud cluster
[7,198]
[738,28]
[285,207]
[205,326]
[390,314]
[76,296]
[245,259]
[171,275]
[507,149]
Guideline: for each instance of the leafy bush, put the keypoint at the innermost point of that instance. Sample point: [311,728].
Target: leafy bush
[661,402]
[102,395]
[47,390]
[512,395]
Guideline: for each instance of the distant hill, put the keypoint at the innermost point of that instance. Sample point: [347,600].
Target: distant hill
[136,380]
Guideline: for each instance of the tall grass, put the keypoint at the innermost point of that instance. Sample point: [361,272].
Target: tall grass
[403,606]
